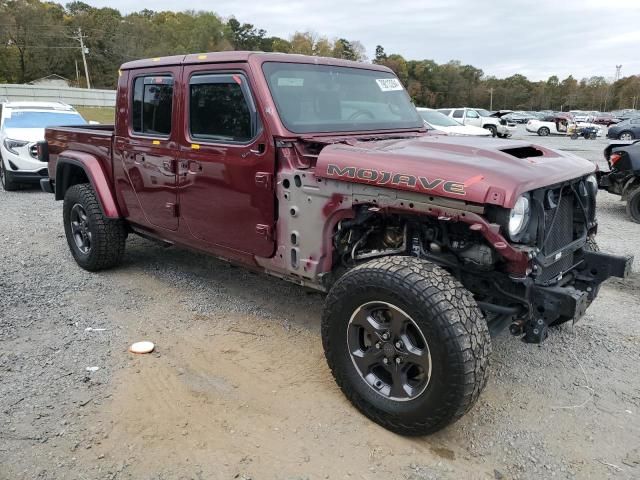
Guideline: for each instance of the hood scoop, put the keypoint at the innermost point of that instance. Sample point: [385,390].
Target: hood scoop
[523,152]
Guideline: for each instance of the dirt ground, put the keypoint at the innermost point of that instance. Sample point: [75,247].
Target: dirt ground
[238,386]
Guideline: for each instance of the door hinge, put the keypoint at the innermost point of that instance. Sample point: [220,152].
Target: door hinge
[264,180]
[173,208]
[264,231]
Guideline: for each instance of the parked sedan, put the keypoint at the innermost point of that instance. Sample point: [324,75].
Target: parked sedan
[627,130]
[448,125]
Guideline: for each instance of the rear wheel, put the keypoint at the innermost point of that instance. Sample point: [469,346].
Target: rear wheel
[96,242]
[626,135]
[543,131]
[406,343]
[633,205]
[7,183]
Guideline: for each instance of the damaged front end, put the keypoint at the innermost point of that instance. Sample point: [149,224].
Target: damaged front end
[559,279]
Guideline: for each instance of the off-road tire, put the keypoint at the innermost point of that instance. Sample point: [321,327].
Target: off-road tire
[544,131]
[492,129]
[633,205]
[108,235]
[447,316]
[7,184]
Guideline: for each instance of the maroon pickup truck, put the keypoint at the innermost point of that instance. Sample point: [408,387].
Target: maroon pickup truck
[321,172]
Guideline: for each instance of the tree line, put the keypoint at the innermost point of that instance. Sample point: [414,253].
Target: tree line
[42,38]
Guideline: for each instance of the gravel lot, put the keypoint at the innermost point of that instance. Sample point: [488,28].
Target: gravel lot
[238,386]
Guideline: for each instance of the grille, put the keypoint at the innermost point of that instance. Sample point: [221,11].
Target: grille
[559,233]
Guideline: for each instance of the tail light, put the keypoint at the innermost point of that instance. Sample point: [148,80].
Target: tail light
[614,158]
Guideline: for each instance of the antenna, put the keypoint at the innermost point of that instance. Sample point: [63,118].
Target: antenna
[618,68]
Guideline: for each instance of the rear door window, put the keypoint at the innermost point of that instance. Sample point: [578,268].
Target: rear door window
[458,113]
[152,105]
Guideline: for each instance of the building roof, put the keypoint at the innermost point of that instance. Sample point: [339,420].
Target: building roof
[53,76]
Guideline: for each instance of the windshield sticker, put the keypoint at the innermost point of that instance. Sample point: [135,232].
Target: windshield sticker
[389,84]
[290,82]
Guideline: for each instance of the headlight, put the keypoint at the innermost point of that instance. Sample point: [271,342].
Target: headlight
[519,217]
[592,182]
[13,144]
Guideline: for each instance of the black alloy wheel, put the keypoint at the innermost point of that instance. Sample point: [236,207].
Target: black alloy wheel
[389,351]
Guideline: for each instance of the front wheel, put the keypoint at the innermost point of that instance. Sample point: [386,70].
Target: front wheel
[96,242]
[406,343]
[493,130]
[7,182]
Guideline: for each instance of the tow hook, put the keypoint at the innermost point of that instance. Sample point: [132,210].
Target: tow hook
[535,331]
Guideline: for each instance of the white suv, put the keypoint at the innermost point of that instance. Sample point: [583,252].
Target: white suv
[22,126]
[480,117]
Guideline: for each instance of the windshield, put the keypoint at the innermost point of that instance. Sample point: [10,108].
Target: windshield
[30,119]
[483,113]
[325,98]
[438,119]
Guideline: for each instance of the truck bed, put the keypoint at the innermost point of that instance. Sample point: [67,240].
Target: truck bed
[93,139]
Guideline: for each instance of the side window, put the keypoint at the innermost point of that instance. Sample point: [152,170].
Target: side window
[472,114]
[458,113]
[445,112]
[152,105]
[220,108]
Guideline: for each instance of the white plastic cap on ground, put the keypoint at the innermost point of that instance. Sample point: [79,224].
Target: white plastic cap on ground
[142,347]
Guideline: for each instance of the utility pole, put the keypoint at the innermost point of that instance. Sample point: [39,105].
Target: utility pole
[491,100]
[80,38]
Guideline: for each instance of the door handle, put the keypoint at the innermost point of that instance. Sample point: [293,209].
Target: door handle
[256,151]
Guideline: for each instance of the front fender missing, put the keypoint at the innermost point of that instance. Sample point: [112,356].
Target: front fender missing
[73,167]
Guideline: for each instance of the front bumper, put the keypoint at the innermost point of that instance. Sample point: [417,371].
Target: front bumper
[33,178]
[507,129]
[569,298]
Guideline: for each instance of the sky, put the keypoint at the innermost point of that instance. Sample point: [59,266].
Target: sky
[535,38]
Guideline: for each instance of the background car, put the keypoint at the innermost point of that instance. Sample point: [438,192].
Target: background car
[439,121]
[606,119]
[557,124]
[626,130]
[22,125]
[480,117]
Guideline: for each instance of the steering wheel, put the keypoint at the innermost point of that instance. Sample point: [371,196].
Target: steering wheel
[361,113]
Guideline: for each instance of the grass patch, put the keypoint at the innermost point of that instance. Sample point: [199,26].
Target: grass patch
[104,115]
